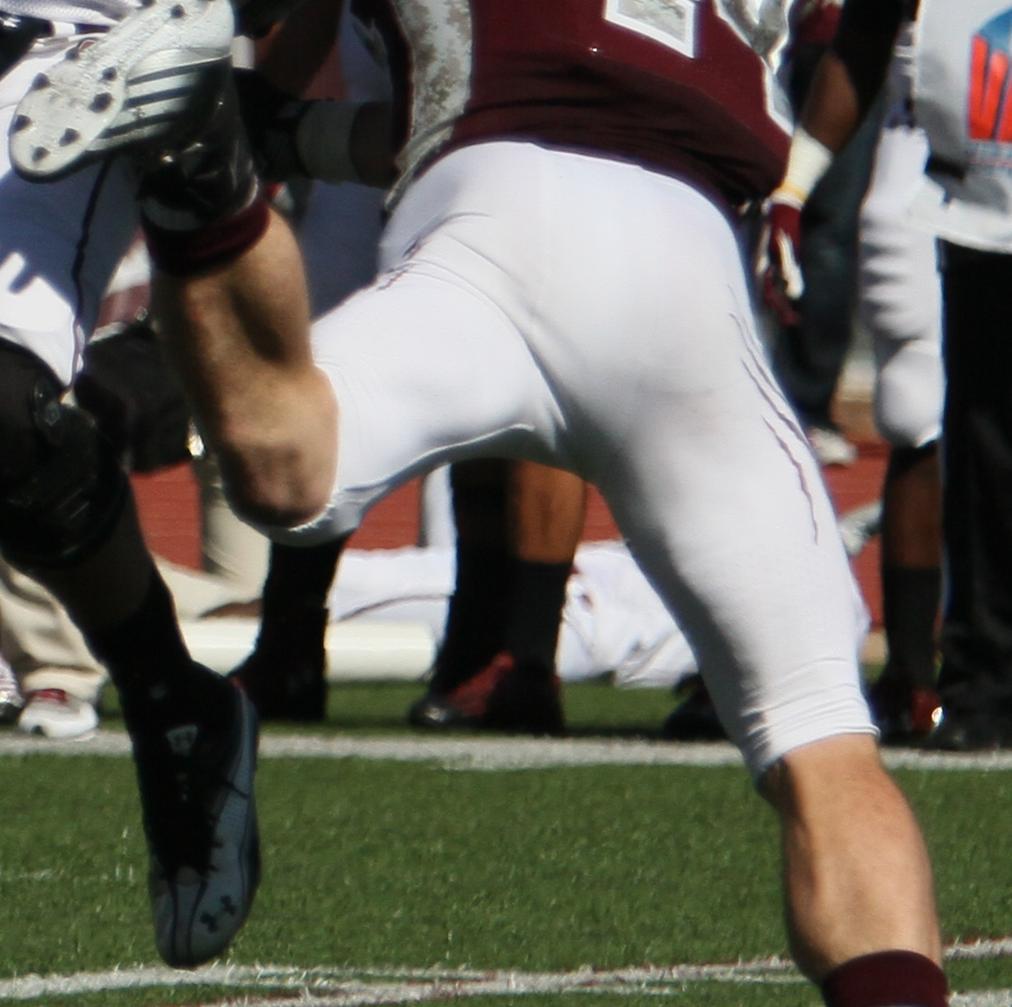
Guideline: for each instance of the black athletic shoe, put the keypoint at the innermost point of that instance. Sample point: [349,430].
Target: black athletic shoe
[970,732]
[286,675]
[503,696]
[196,790]
[695,718]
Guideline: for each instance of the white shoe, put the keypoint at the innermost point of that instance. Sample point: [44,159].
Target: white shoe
[859,525]
[11,700]
[830,446]
[139,82]
[56,714]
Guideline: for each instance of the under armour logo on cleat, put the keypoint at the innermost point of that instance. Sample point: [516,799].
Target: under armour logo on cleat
[181,739]
[210,920]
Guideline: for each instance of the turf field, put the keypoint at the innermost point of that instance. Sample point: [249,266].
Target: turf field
[607,868]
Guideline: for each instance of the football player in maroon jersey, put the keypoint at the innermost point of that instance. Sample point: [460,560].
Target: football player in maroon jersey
[561,280]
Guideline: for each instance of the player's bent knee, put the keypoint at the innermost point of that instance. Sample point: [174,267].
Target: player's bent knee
[810,704]
[62,489]
[817,764]
[908,397]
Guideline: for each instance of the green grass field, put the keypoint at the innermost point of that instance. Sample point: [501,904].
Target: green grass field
[406,881]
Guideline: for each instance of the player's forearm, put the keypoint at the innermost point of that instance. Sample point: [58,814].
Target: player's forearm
[852,72]
[846,83]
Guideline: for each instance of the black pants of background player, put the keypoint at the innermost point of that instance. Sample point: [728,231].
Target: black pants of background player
[808,358]
[976,675]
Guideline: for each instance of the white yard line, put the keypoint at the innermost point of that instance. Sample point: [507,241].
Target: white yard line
[393,996]
[364,987]
[498,753]
[348,987]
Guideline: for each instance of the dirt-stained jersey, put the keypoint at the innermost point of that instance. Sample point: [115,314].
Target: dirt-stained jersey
[682,86]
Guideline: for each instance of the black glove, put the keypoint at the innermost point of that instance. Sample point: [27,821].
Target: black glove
[271,117]
[136,397]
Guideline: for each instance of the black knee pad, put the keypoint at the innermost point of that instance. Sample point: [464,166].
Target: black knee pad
[62,488]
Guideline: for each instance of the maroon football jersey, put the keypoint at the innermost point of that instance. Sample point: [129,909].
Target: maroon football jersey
[681,86]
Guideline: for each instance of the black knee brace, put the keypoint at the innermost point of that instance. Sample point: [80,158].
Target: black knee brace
[62,488]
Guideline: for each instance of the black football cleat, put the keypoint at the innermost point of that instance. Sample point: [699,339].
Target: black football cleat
[286,675]
[695,718]
[970,732]
[196,787]
[505,695]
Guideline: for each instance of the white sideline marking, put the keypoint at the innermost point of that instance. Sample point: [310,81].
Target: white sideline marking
[349,987]
[499,753]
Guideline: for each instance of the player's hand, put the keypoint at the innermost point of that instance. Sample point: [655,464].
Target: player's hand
[779,265]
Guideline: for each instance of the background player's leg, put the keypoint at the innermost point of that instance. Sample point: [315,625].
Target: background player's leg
[904,699]
[975,680]
[285,675]
[518,525]
[900,306]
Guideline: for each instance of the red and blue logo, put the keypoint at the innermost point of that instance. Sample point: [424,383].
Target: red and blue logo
[990,99]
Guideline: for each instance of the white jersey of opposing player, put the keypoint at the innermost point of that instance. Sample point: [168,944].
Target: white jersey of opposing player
[961,93]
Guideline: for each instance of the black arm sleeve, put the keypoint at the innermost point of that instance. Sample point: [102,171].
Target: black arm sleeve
[864,41]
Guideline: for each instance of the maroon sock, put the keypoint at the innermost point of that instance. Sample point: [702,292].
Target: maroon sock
[886,979]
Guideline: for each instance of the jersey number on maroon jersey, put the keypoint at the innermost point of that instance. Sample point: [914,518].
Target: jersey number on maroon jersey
[671,23]
[760,24]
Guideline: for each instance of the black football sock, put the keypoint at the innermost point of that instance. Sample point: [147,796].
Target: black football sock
[294,615]
[911,599]
[150,665]
[299,578]
[534,613]
[476,617]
